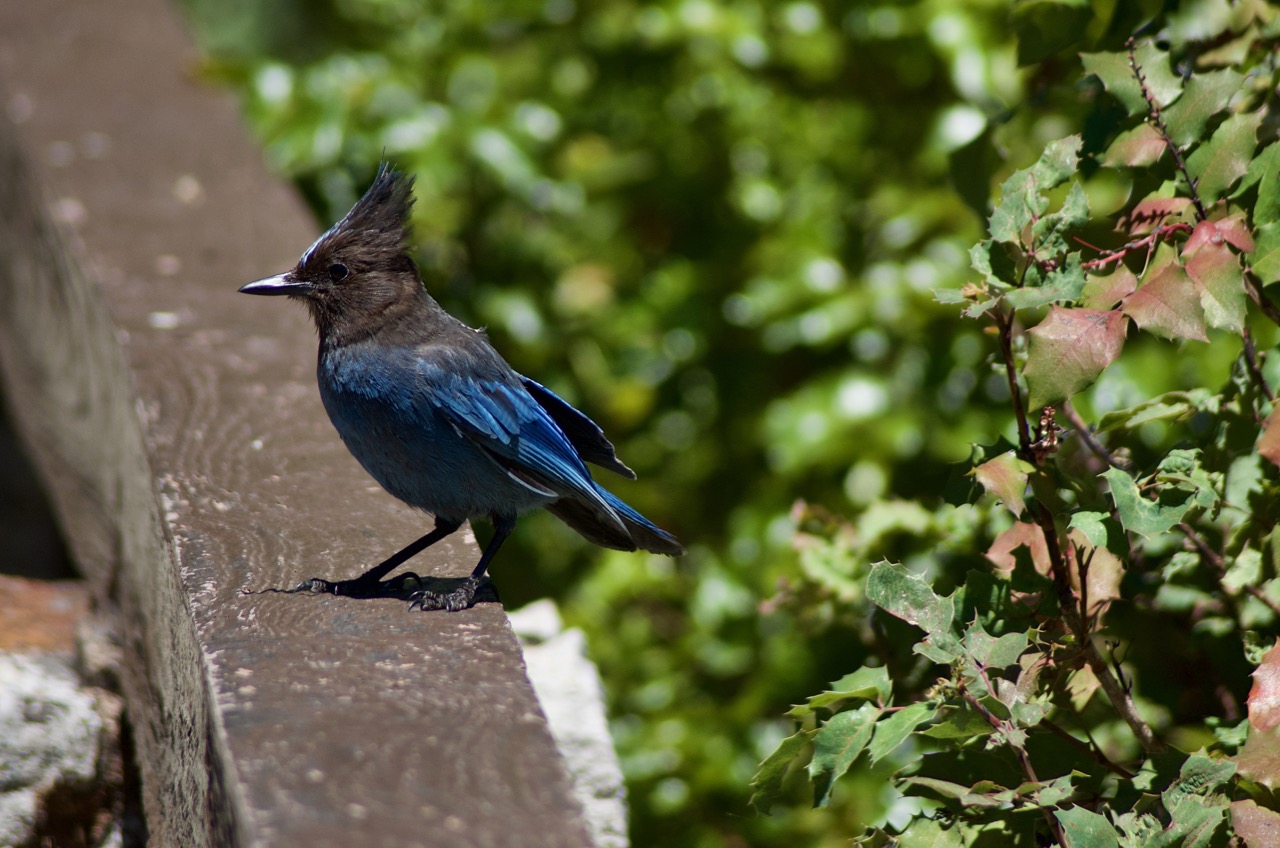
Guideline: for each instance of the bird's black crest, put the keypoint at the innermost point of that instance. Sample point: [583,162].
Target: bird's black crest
[377,227]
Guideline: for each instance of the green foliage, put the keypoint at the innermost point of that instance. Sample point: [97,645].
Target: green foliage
[1028,724]
[737,234]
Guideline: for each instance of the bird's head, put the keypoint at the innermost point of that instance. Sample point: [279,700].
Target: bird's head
[361,264]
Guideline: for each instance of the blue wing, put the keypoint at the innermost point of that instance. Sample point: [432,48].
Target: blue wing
[514,430]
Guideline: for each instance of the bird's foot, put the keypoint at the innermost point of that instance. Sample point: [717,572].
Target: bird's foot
[466,593]
[360,587]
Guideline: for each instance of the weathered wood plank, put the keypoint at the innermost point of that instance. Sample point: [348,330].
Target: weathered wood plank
[178,429]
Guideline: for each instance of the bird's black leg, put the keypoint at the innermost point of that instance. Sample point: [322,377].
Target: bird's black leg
[465,594]
[369,584]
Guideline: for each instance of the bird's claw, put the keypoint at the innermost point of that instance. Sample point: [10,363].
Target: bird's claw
[452,601]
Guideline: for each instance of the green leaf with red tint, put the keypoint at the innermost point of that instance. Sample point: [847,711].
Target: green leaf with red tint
[1006,478]
[1069,349]
[1168,304]
[1216,271]
[1136,148]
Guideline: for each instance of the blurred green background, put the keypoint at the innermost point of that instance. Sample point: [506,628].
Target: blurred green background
[716,227]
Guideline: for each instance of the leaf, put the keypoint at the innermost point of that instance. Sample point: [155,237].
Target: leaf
[767,783]
[1228,230]
[1147,518]
[1069,349]
[1022,197]
[900,593]
[992,652]
[1224,158]
[1216,270]
[1264,695]
[890,732]
[929,833]
[1264,261]
[1106,291]
[1063,283]
[866,684]
[1006,478]
[947,790]
[1168,305]
[1205,95]
[1262,173]
[1255,825]
[1023,533]
[1085,829]
[1091,526]
[1118,79]
[959,723]
[1259,759]
[1044,27]
[1151,213]
[1135,148]
[1269,443]
[1102,575]
[837,745]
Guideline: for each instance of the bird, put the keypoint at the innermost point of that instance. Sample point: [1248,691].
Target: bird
[433,412]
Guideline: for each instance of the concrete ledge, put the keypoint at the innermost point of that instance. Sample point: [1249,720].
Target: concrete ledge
[178,430]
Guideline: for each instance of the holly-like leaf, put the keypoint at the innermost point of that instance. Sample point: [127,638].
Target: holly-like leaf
[1086,829]
[1022,533]
[1205,95]
[1255,825]
[1022,197]
[1135,148]
[1265,259]
[905,595]
[891,731]
[1224,158]
[1264,696]
[991,651]
[1006,478]
[1117,76]
[865,684]
[1262,173]
[1216,271]
[1168,305]
[1069,349]
[837,745]
[1044,27]
[1230,230]
[1150,213]
[1106,291]
[1139,515]
[1092,526]
[767,783]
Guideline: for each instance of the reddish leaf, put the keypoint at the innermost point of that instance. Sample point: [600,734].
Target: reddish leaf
[1168,305]
[1206,232]
[1264,697]
[1069,349]
[1136,148]
[1259,759]
[1269,444]
[1103,577]
[1006,478]
[1151,213]
[1257,826]
[1001,551]
[1216,270]
[1235,231]
[1106,292]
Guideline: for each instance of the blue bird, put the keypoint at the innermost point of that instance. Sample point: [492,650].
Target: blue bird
[433,412]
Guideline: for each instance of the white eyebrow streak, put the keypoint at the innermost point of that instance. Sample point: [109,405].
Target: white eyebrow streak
[306,254]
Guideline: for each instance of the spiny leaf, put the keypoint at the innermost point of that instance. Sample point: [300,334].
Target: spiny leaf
[1168,305]
[1262,173]
[768,779]
[1106,291]
[903,594]
[1205,95]
[1264,695]
[1255,825]
[891,731]
[836,746]
[1224,158]
[1006,478]
[1117,76]
[1086,829]
[1265,259]
[1216,271]
[1135,148]
[1150,213]
[1069,349]
[1138,515]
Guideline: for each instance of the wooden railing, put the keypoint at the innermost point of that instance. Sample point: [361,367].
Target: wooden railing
[177,428]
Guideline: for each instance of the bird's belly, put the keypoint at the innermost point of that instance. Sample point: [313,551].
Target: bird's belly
[425,462]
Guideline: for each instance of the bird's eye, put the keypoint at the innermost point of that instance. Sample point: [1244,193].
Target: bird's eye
[338,272]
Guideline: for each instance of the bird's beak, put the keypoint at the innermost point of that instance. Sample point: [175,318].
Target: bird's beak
[280,284]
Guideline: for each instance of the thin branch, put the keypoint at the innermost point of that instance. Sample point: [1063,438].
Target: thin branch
[1147,242]
[1157,121]
[1255,368]
[1004,324]
[1220,565]
[1090,441]
[1090,750]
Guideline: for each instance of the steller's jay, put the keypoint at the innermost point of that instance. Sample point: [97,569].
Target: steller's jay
[433,412]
